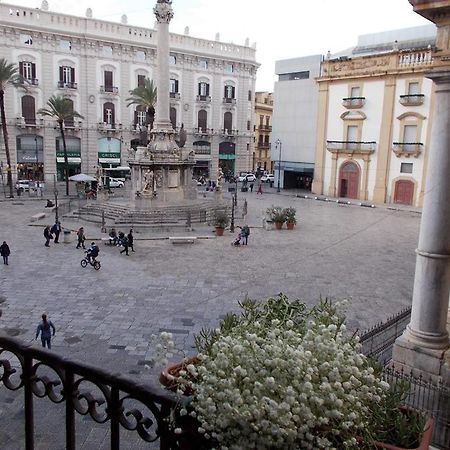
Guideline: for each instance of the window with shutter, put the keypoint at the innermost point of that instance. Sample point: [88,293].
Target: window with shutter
[173,118]
[108,114]
[141,80]
[202,120]
[108,81]
[29,109]
[69,122]
[228,121]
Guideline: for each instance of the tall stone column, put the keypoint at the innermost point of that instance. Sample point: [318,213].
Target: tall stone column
[426,339]
[164,14]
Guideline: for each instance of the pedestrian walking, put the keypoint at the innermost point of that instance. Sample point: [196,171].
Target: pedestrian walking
[251,187]
[81,238]
[245,233]
[56,230]
[131,240]
[124,243]
[45,330]
[48,235]
[259,191]
[5,252]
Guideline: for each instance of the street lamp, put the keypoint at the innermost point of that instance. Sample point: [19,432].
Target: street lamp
[278,144]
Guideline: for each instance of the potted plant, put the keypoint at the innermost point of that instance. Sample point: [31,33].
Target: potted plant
[276,214]
[221,221]
[289,213]
[281,375]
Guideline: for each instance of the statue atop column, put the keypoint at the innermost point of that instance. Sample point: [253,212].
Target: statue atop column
[163,11]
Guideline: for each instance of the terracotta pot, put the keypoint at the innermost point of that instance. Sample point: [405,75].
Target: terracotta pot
[166,377]
[219,231]
[290,225]
[425,440]
[279,225]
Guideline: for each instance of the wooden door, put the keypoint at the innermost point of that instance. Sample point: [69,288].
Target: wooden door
[404,192]
[349,180]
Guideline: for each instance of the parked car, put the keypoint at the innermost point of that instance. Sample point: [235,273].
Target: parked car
[267,178]
[114,183]
[26,185]
[245,176]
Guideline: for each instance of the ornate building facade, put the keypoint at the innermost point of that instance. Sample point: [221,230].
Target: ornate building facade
[375,116]
[96,63]
[263,129]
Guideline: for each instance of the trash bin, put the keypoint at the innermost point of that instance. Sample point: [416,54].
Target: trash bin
[67,237]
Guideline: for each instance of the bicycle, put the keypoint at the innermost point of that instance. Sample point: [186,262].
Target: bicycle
[95,264]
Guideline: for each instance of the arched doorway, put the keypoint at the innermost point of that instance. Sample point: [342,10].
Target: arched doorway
[404,192]
[349,180]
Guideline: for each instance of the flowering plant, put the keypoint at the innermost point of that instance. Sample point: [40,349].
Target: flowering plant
[289,213]
[276,214]
[281,375]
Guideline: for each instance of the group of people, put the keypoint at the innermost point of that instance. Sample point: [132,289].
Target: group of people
[242,237]
[52,232]
[119,239]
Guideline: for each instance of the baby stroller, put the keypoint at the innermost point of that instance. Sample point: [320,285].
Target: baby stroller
[237,241]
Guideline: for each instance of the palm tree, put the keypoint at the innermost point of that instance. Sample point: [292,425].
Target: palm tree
[61,109]
[145,97]
[9,75]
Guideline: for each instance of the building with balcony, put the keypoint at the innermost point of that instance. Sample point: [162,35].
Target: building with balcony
[295,120]
[263,130]
[373,128]
[212,86]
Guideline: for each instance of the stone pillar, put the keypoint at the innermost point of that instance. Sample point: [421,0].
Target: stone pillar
[164,14]
[426,339]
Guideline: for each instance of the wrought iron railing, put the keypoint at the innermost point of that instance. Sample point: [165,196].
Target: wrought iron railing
[378,341]
[85,390]
[431,397]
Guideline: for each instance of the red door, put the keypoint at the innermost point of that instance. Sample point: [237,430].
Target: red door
[404,192]
[349,180]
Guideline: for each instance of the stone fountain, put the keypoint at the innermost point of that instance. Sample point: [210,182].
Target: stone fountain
[162,172]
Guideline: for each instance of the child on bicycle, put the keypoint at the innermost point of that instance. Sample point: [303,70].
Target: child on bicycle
[92,252]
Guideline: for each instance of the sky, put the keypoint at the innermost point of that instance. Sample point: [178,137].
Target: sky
[281,29]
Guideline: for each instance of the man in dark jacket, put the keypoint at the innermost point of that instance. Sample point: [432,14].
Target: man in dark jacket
[56,230]
[5,252]
[130,240]
[47,235]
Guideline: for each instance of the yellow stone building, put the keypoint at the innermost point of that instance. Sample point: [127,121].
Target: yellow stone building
[263,130]
[373,129]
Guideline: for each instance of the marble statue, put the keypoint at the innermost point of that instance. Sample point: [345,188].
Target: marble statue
[148,181]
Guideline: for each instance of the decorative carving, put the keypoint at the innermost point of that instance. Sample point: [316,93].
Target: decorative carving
[148,184]
[159,178]
[163,11]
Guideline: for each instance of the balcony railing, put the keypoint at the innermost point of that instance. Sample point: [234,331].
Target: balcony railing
[21,122]
[412,99]
[29,81]
[353,102]
[204,98]
[230,101]
[264,145]
[407,149]
[65,85]
[266,128]
[83,388]
[202,131]
[229,133]
[351,146]
[72,125]
[109,90]
[202,151]
[175,95]
[112,127]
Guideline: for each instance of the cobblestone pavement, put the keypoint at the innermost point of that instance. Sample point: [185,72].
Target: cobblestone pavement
[107,317]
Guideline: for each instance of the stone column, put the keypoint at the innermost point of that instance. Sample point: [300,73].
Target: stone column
[164,14]
[426,339]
